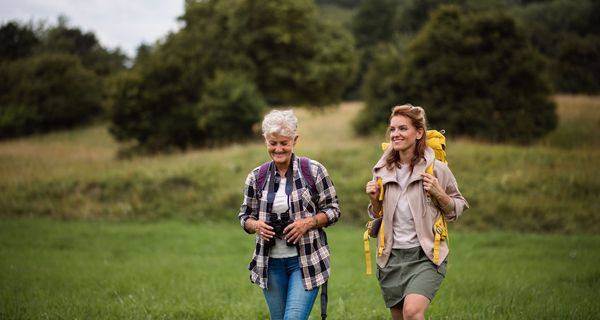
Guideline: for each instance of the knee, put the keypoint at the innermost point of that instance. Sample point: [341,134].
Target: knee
[412,312]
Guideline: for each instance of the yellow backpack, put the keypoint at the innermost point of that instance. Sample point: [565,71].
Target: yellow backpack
[436,141]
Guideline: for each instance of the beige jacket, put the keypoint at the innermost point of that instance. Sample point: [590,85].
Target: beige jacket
[424,213]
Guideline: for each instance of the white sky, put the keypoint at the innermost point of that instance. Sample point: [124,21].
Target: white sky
[116,23]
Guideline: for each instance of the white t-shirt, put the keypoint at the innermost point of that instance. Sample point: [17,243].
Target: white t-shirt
[405,233]
[280,205]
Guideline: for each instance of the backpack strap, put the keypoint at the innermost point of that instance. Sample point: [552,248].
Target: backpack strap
[440,226]
[324,300]
[310,180]
[262,178]
[307,174]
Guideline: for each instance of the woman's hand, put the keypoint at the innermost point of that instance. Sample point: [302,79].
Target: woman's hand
[372,190]
[261,228]
[297,229]
[432,185]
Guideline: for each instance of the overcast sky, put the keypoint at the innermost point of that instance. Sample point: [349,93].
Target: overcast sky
[116,23]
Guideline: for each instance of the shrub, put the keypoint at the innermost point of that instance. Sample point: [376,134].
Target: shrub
[229,108]
[476,75]
[46,92]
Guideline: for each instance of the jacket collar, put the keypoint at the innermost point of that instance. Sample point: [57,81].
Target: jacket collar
[380,170]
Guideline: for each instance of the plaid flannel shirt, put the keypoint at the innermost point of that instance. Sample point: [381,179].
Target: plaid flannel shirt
[313,250]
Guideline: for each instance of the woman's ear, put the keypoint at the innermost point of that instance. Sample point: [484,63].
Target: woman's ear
[420,133]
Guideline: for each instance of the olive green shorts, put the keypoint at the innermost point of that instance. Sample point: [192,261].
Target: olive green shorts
[409,271]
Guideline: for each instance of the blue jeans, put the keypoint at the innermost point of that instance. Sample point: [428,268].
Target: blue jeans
[285,292]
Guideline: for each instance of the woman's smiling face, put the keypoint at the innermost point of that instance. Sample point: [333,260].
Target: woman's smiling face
[280,148]
[403,134]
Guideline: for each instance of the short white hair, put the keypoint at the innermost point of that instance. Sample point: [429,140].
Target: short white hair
[280,122]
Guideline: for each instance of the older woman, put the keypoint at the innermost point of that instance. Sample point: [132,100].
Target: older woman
[287,214]
[408,273]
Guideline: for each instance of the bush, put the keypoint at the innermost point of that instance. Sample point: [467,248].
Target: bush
[152,108]
[229,108]
[476,75]
[578,66]
[46,92]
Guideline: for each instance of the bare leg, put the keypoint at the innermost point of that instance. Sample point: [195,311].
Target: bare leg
[415,306]
[397,311]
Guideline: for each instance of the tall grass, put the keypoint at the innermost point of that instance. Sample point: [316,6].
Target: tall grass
[173,270]
[551,186]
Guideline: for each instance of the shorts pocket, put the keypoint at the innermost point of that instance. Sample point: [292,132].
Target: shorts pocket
[441,269]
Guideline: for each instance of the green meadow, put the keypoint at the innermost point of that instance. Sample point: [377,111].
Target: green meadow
[174,270]
[85,234]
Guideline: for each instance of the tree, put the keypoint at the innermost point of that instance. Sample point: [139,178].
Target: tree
[283,46]
[280,48]
[229,108]
[44,93]
[477,75]
[567,33]
[381,88]
[16,41]
[374,22]
[84,45]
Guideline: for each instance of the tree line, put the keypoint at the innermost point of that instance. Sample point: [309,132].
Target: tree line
[52,77]
[484,69]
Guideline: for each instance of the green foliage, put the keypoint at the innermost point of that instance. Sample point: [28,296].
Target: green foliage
[413,14]
[578,67]
[62,38]
[476,75]
[16,41]
[374,22]
[564,31]
[380,89]
[385,22]
[229,108]
[567,33]
[176,270]
[340,3]
[52,77]
[290,56]
[44,93]
[153,108]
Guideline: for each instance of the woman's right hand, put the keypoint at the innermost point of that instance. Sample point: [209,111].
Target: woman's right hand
[372,190]
[263,230]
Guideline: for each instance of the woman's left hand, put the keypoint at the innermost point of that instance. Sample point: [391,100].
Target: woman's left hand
[297,229]
[432,185]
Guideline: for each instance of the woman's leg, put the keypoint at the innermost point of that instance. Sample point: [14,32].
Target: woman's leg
[415,306]
[299,301]
[397,311]
[277,288]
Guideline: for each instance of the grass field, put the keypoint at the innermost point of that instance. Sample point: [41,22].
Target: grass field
[174,270]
